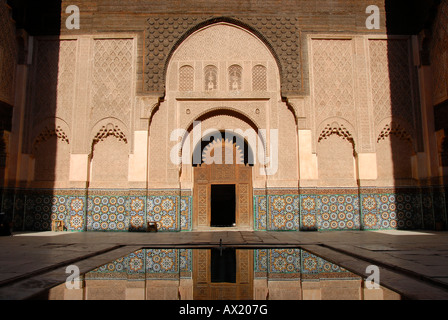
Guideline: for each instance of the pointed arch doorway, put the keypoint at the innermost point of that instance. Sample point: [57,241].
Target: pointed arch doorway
[222,189]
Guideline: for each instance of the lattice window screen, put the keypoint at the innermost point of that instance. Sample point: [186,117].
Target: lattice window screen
[211,78]
[259,78]
[186,78]
[235,77]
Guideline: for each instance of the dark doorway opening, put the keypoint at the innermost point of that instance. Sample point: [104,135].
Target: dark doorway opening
[223,265]
[223,203]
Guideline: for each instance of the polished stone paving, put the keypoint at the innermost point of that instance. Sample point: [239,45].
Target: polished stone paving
[413,263]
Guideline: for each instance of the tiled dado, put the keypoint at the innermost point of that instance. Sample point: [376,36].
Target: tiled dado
[403,209]
[282,264]
[98,210]
[295,263]
[283,210]
[279,209]
[349,209]
[147,264]
[277,212]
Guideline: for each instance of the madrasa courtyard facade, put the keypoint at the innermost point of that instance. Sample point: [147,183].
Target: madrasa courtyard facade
[250,115]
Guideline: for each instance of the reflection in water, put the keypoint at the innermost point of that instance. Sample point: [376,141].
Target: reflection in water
[220,274]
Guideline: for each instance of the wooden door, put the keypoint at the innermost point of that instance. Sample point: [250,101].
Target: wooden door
[205,176]
[204,289]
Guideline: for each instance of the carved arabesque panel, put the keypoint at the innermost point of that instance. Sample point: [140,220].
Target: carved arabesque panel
[186,78]
[333,79]
[8,54]
[202,206]
[66,79]
[112,79]
[210,78]
[110,130]
[280,32]
[394,129]
[235,77]
[259,78]
[54,76]
[439,54]
[45,77]
[47,133]
[243,203]
[391,80]
[337,129]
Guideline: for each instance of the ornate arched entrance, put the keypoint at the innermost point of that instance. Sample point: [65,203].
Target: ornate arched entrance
[222,189]
[225,78]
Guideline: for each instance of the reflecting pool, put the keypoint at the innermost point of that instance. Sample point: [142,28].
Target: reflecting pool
[220,274]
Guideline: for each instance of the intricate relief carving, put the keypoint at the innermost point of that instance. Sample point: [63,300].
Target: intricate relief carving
[391,82]
[280,33]
[112,79]
[222,172]
[55,79]
[244,206]
[222,152]
[439,54]
[394,129]
[202,205]
[186,78]
[259,78]
[66,79]
[46,75]
[337,129]
[47,133]
[333,79]
[211,78]
[8,54]
[235,77]
[109,130]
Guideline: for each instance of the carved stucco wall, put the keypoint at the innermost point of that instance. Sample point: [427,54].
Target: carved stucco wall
[334,89]
[55,110]
[392,90]
[280,34]
[360,100]
[439,54]
[256,101]
[50,115]
[366,111]
[335,92]
[112,80]
[333,72]
[8,54]
[395,115]
[54,78]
